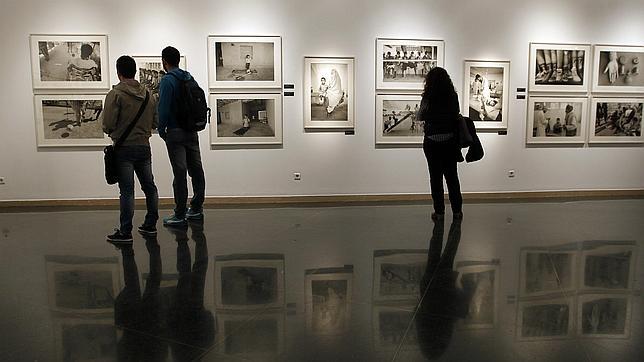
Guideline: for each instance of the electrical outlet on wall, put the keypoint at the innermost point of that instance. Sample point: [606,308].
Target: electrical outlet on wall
[511,173]
[297,176]
[2,180]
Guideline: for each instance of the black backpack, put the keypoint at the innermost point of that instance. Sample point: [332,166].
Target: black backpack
[192,109]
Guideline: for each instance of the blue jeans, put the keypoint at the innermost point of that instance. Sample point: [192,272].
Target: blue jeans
[185,158]
[136,159]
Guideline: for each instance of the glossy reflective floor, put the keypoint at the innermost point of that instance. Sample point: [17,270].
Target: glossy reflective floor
[513,282]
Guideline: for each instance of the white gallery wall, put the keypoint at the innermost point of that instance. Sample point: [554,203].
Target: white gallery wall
[330,163]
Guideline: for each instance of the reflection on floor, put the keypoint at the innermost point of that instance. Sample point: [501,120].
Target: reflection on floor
[512,282]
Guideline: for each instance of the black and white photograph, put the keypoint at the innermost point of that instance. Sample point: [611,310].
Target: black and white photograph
[245,61]
[604,316]
[397,274]
[618,69]
[396,121]
[557,120]
[559,67]
[69,120]
[393,325]
[85,339]
[485,99]
[246,119]
[545,319]
[249,282]
[251,336]
[328,300]
[69,61]
[547,272]
[82,285]
[403,63]
[608,265]
[617,120]
[328,93]
[479,282]
[149,71]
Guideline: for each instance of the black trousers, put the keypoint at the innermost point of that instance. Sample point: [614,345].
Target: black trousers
[185,158]
[442,161]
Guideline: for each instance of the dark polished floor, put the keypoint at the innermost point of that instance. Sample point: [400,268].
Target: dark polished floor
[512,282]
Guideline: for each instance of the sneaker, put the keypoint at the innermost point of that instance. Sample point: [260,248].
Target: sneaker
[119,237]
[174,220]
[193,214]
[148,229]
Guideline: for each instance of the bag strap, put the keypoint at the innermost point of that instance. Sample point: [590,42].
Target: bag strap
[129,129]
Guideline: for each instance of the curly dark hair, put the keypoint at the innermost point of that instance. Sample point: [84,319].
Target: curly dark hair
[438,86]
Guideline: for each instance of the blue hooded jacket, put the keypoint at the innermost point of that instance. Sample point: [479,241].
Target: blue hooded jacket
[168,92]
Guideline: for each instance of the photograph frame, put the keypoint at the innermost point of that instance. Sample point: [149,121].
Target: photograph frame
[468,267]
[376,311]
[399,257]
[594,139]
[218,85]
[223,334]
[595,248]
[534,87]
[381,85]
[569,301]
[39,85]
[505,101]
[379,126]
[574,270]
[272,261]
[609,89]
[277,139]
[585,298]
[583,125]
[328,274]
[59,323]
[309,123]
[43,142]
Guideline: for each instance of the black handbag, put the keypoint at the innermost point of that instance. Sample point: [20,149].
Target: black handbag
[109,152]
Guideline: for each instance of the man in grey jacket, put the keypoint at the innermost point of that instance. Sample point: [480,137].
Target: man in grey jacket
[122,104]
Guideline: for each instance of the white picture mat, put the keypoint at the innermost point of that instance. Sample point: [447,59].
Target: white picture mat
[481,269]
[581,139]
[38,84]
[592,138]
[556,301]
[308,291]
[227,141]
[597,49]
[522,274]
[380,42]
[585,298]
[277,264]
[505,65]
[349,99]
[604,250]
[533,87]
[394,140]
[223,334]
[400,259]
[213,83]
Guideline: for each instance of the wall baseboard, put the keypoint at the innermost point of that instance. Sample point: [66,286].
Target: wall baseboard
[332,200]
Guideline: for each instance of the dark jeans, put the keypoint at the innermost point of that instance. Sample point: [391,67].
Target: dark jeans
[185,157]
[442,161]
[136,159]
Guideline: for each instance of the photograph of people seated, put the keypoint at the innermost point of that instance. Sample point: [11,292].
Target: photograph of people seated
[618,119]
[486,94]
[245,118]
[559,67]
[407,63]
[69,61]
[557,119]
[328,93]
[399,118]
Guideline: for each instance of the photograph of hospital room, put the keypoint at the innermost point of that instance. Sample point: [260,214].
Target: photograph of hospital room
[486,94]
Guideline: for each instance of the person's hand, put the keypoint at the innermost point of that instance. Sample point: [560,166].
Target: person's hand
[613,70]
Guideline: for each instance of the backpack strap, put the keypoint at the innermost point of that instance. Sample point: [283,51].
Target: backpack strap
[130,127]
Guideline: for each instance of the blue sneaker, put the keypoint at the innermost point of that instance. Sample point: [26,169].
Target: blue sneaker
[174,220]
[193,214]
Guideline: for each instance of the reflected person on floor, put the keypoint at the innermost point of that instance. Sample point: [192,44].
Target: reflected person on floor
[442,303]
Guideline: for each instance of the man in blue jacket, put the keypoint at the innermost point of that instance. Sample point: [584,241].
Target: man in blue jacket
[183,146]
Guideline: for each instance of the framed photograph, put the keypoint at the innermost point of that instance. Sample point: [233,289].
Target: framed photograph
[557,120]
[480,283]
[546,271]
[251,336]
[608,266]
[82,285]
[71,120]
[245,62]
[328,300]
[397,274]
[69,62]
[86,339]
[246,119]
[545,319]
[401,64]
[396,121]
[618,69]
[249,281]
[486,93]
[328,93]
[616,120]
[149,71]
[559,68]
[390,328]
[604,316]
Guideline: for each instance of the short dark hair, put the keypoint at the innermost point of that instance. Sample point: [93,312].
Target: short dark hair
[126,66]
[171,55]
